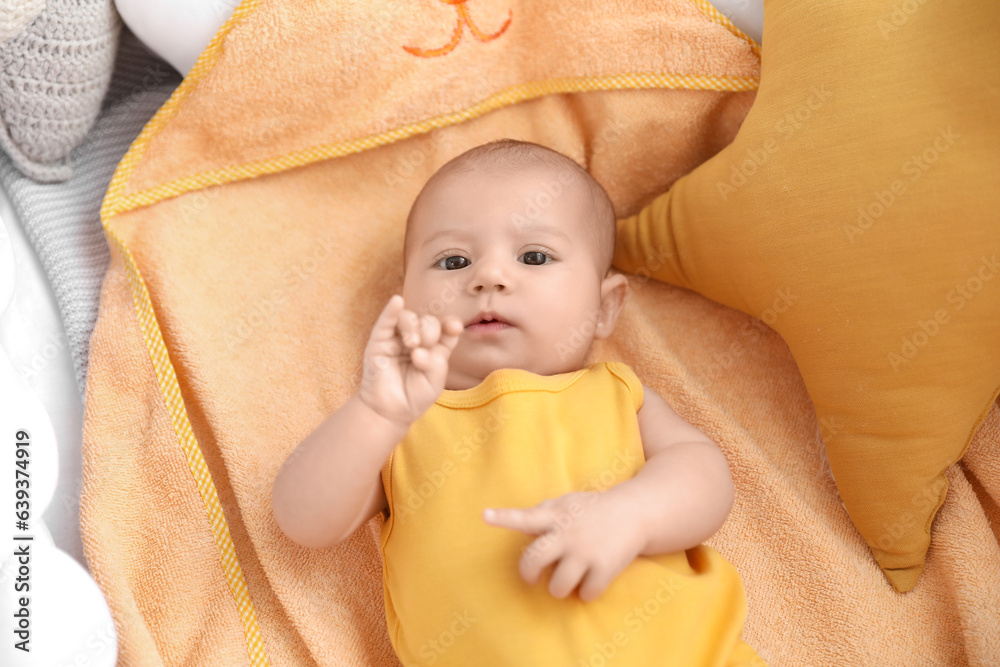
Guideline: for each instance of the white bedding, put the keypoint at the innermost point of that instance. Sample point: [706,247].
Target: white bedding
[66,617]
[53,256]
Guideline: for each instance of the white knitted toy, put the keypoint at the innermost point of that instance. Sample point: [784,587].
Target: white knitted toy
[56,59]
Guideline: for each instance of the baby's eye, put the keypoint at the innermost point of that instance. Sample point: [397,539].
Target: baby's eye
[535,257]
[452,262]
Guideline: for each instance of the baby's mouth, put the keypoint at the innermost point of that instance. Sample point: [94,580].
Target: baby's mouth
[488,322]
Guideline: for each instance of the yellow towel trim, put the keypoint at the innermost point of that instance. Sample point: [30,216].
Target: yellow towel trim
[709,10]
[159,120]
[196,461]
[116,202]
[165,374]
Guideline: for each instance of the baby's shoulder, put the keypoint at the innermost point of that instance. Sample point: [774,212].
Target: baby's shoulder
[624,374]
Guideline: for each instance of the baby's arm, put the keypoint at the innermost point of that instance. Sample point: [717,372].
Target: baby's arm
[684,492]
[331,484]
[678,499]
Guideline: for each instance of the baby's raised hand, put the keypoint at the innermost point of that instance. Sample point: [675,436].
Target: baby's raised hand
[406,361]
[587,535]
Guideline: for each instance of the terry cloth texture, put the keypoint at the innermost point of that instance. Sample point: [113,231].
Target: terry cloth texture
[62,220]
[53,76]
[257,229]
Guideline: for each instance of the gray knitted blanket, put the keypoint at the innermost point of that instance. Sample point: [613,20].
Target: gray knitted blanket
[62,219]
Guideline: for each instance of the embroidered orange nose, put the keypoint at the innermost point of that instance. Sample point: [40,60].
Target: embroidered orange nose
[456,37]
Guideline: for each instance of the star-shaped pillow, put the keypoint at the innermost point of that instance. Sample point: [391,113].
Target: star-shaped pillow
[858,213]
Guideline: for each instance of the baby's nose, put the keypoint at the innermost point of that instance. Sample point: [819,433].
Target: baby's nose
[480,285]
[490,276]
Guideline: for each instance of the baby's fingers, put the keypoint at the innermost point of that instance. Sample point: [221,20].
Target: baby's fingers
[451,331]
[409,329]
[422,360]
[595,582]
[531,520]
[432,362]
[385,325]
[538,555]
[430,330]
[567,576]
[449,338]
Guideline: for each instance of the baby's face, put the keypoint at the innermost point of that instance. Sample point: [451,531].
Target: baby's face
[515,247]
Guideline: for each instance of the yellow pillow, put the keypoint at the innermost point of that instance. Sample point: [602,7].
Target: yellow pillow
[858,213]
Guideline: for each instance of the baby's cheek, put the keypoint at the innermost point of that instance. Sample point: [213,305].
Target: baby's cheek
[442,299]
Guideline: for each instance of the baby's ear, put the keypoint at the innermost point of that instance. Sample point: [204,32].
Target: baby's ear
[614,291]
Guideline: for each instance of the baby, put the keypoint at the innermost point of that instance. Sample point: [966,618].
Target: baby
[535,510]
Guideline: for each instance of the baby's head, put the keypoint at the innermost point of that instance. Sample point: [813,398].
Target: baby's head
[518,233]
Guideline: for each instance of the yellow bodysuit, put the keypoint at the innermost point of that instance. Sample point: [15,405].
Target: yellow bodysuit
[453,593]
